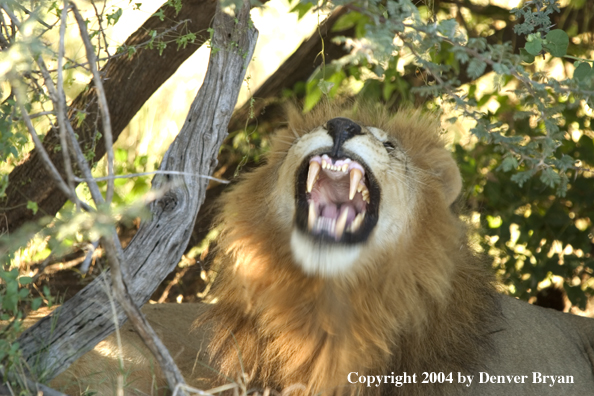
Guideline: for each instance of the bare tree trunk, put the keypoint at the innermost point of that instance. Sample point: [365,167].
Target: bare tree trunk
[129,82]
[56,341]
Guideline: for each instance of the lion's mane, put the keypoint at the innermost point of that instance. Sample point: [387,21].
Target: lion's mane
[421,303]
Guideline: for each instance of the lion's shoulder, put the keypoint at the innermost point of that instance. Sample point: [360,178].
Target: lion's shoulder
[535,342]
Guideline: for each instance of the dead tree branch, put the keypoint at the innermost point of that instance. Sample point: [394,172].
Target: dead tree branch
[156,249]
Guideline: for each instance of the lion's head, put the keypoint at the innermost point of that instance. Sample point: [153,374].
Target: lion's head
[342,254]
[352,189]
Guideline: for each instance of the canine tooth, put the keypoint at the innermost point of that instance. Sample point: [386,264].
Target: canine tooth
[340,223]
[356,176]
[357,221]
[311,218]
[312,175]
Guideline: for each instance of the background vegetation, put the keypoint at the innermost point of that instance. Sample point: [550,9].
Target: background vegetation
[513,82]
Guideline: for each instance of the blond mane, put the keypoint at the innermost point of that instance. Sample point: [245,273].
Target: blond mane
[422,303]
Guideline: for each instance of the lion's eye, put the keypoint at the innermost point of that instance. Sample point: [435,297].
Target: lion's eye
[389,146]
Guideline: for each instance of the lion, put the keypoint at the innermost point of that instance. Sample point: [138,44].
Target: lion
[343,269]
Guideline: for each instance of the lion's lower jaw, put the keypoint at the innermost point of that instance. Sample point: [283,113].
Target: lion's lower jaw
[322,259]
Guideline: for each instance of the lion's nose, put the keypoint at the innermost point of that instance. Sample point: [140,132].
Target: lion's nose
[341,129]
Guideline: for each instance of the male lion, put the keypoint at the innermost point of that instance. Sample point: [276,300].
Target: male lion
[344,270]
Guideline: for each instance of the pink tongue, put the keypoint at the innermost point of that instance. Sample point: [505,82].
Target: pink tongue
[330,211]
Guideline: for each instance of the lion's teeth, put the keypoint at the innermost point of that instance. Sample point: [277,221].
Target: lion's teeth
[365,195]
[340,224]
[312,175]
[356,176]
[357,221]
[345,168]
[311,218]
[324,164]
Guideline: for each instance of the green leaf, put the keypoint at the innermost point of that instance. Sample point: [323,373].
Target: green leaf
[160,14]
[476,68]
[23,293]
[500,68]
[550,177]
[522,177]
[80,117]
[494,222]
[161,47]
[508,164]
[114,17]
[8,276]
[33,206]
[325,86]
[447,27]
[534,47]
[557,42]
[526,57]
[583,71]
[347,21]
[36,303]
[302,9]
[120,155]
[25,280]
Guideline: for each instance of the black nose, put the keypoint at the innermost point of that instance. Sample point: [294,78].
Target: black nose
[341,129]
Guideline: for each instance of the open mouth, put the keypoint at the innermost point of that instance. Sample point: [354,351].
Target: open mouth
[337,198]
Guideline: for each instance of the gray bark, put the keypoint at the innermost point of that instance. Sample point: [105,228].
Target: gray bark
[56,341]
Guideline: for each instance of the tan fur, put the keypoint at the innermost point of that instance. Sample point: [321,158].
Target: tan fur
[416,300]
[420,303]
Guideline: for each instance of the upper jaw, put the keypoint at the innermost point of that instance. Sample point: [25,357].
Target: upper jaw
[337,199]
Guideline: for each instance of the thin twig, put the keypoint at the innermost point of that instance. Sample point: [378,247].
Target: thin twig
[102,99]
[36,115]
[157,172]
[51,168]
[137,318]
[32,15]
[170,285]
[110,295]
[100,21]
[73,64]
[62,105]
[83,166]
[84,267]
[15,21]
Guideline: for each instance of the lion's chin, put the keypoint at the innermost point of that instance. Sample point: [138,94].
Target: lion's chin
[320,258]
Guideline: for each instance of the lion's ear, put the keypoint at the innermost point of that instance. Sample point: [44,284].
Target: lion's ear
[447,172]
